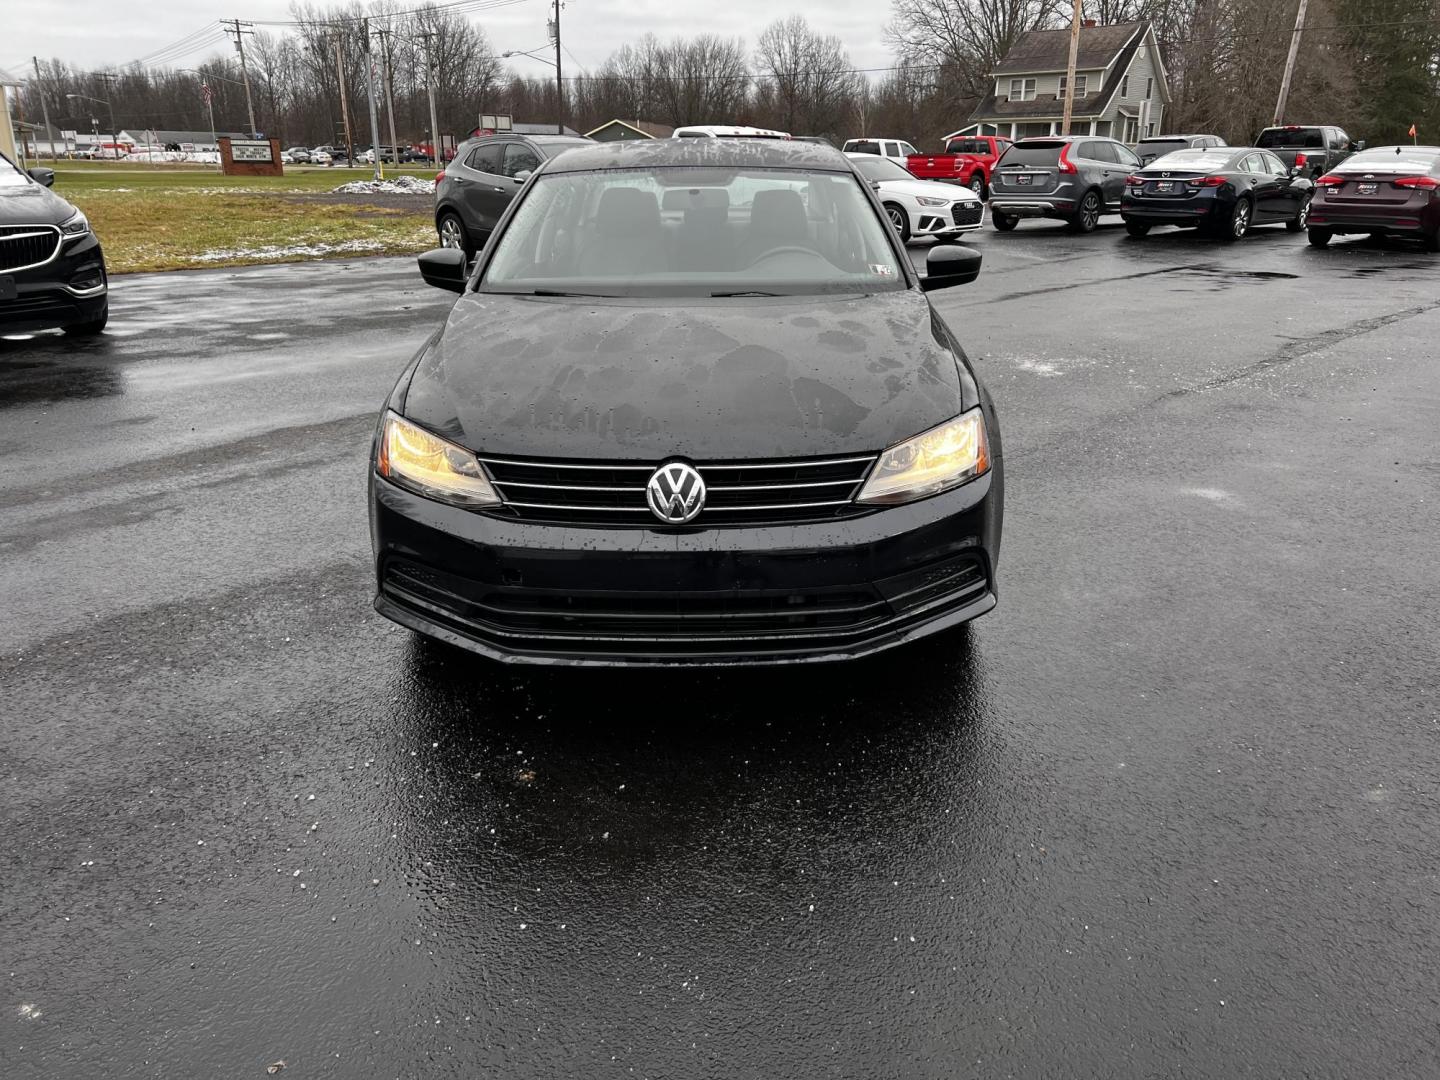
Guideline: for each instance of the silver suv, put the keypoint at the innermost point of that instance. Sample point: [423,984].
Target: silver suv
[475,189]
[1075,178]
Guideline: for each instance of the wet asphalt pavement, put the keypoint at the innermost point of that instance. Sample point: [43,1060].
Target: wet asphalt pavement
[1169,811]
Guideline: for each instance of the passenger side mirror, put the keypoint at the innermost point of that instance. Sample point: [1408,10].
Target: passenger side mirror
[947,265]
[444,268]
[43,176]
[1358,144]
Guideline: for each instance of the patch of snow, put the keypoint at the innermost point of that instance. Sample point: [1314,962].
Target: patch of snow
[274,251]
[397,185]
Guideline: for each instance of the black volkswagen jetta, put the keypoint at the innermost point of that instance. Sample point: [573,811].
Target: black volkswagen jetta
[52,271]
[692,406]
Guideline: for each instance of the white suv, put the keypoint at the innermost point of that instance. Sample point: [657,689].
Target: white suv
[895,149]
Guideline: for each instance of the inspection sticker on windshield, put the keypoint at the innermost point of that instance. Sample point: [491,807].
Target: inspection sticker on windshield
[882,270]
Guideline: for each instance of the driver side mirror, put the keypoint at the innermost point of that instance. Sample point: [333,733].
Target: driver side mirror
[43,176]
[1358,145]
[946,266]
[522,176]
[444,268]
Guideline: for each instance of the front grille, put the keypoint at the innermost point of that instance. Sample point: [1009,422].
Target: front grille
[967,213]
[737,493]
[27,245]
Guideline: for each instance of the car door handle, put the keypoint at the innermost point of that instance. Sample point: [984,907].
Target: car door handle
[461,180]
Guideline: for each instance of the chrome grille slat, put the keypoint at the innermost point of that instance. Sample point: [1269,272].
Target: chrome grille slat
[23,247]
[737,492]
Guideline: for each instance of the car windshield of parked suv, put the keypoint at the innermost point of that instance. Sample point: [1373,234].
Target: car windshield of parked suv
[878,168]
[1033,153]
[1191,161]
[1305,138]
[1419,158]
[707,231]
[10,176]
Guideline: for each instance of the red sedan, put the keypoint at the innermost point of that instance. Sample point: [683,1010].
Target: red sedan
[1385,191]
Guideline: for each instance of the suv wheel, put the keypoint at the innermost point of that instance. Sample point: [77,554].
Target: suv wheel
[1088,216]
[453,233]
[91,328]
[1003,222]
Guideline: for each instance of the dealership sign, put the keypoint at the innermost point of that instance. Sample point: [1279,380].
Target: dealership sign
[251,150]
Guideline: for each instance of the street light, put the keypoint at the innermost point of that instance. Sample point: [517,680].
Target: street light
[114,131]
[559,85]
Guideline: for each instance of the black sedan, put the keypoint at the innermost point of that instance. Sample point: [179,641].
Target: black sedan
[692,406]
[1384,191]
[52,271]
[1224,190]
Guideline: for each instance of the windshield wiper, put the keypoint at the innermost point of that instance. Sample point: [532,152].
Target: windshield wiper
[557,292]
[748,292]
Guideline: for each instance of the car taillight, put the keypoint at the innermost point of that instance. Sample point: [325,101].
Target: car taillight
[1427,182]
[1065,163]
[440,176]
[1300,160]
[1135,181]
[1330,180]
[1208,181]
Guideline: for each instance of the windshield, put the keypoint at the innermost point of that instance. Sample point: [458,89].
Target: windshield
[1191,161]
[1391,159]
[694,232]
[1305,138]
[10,176]
[1036,153]
[878,168]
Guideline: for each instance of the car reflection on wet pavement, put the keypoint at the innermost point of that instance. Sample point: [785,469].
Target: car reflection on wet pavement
[1169,810]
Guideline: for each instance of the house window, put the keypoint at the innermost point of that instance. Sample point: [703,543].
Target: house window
[1080,81]
[1149,88]
[1125,87]
[1022,89]
[1149,130]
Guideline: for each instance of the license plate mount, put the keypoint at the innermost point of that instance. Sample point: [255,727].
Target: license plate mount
[1165,185]
[1368,189]
[1023,179]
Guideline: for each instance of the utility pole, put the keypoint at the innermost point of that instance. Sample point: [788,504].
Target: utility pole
[390,96]
[559,82]
[110,79]
[233,26]
[344,103]
[430,92]
[44,108]
[1290,65]
[370,93]
[1070,70]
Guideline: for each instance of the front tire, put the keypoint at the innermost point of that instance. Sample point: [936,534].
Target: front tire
[1137,229]
[900,219]
[1003,222]
[1297,223]
[453,233]
[1088,216]
[1320,237]
[91,328]
[1239,223]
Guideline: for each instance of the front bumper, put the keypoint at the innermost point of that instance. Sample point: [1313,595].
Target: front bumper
[61,292]
[525,592]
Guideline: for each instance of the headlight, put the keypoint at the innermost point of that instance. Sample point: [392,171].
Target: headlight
[933,461]
[925,200]
[76,226]
[428,465]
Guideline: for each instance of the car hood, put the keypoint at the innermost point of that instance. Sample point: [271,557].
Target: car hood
[929,189]
[703,379]
[32,204]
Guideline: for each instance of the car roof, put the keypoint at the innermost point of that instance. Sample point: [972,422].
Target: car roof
[720,153]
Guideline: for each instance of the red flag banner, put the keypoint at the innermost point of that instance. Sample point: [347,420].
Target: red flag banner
[1412,131]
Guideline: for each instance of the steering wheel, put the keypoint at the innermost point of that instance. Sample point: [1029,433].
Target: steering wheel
[784,249]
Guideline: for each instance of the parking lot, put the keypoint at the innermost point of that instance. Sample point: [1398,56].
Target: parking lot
[1169,811]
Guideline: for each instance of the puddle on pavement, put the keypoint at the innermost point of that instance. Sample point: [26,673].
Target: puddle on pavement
[1219,278]
[33,384]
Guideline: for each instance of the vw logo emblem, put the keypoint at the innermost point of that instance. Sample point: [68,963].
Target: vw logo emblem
[676,493]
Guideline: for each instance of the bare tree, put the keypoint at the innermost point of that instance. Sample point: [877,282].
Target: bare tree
[811,86]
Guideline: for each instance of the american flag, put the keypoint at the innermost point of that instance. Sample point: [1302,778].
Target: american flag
[207,93]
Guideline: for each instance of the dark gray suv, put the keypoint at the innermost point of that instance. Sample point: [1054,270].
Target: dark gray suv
[474,190]
[1075,178]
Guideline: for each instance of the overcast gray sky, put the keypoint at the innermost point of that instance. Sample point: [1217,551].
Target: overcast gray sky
[105,33]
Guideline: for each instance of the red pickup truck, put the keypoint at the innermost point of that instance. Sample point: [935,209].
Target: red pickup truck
[967,160]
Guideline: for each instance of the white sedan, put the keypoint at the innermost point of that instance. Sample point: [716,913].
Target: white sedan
[920,207]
